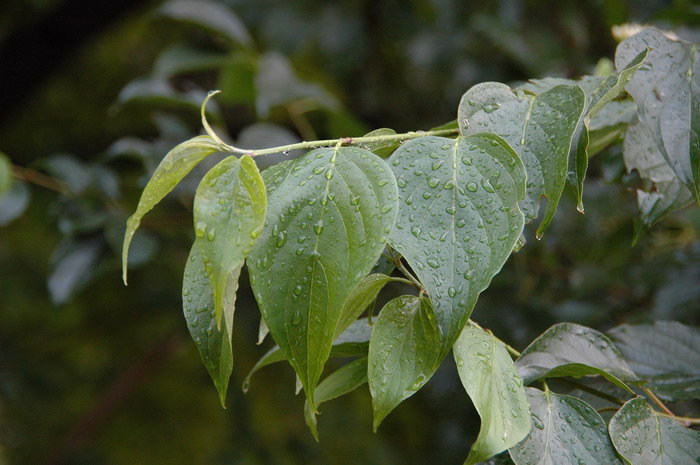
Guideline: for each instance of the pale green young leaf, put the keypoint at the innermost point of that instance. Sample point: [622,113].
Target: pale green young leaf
[340,382]
[667,92]
[403,352]
[489,377]
[540,128]
[565,431]
[353,342]
[175,166]
[458,219]
[213,341]
[666,354]
[568,349]
[229,214]
[329,215]
[644,438]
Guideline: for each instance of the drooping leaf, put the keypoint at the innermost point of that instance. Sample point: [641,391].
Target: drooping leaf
[352,342]
[209,15]
[666,354]
[5,174]
[489,377]
[403,353]
[229,214]
[667,92]
[340,382]
[213,341]
[329,215]
[668,193]
[644,438]
[565,431]
[361,297]
[540,128]
[175,166]
[458,219]
[568,349]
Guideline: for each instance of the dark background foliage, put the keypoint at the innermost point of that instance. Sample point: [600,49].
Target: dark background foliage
[95,372]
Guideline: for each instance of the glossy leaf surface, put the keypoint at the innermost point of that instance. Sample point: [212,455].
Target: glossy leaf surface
[489,377]
[667,92]
[229,213]
[567,349]
[175,166]
[565,431]
[666,354]
[644,438]
[403,353]
[213,341]
[330,213]
[458,219]
[361,297]
[540,128]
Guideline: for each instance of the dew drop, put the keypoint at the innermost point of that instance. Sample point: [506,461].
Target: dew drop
[471,186]
[433,263]
[433,182]
[281,238]
[415,230]
[200,229]
[318,227]
[487,185]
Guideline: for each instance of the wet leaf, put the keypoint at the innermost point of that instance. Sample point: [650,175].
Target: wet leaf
[667,92]
[567,349]
[403,353]
[340,382]
[329,215]
[644,438]
[489,377]
[565,431]
[458,219]
[540,128]
[175,166]
[666,354]
[213,341]
[229,214]
[383,149]
[360,298]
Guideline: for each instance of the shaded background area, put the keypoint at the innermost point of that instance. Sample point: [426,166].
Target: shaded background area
[93,94]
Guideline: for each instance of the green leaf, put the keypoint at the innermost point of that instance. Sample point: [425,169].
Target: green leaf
[489,377]
[403,353]
[458,219]
[340,382]
[540,128]
[329,215]
[14,202]
[566,431]
[212,16]
[666,354]
[213,341]
[229,214]
[382,149]
[667,193]
[567,349]
[361,297]
[644,438]
[175,166]
[5,174]
[667,92]
[352,342]
[181,59]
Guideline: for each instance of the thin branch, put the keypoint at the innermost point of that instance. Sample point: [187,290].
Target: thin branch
[687,421]
[40,179]
[657,401]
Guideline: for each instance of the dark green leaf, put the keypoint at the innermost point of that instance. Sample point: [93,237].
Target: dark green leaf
[565,431]
[540,128]
[209,15]
[175,166]
[184,59]
[329,215]
[667,92]
[360,298]
[340,382]
[213,341]
[567,349]
[229,214]
[458,219]
[666,354]
[5,174]
[403,353]
[489,377]
[644,438]
[668,192]
[352,342]
[383,149]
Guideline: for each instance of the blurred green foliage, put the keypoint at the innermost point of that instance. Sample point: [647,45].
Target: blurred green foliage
[92,372]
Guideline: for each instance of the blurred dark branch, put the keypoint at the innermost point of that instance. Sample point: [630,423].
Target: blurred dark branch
[109,403]
[40,179]
[32,53]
